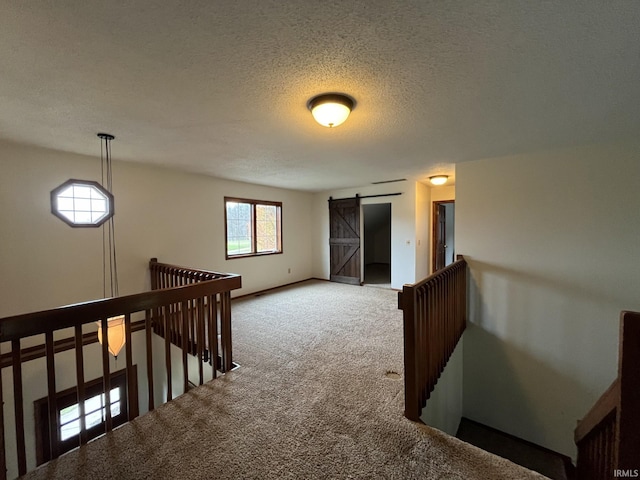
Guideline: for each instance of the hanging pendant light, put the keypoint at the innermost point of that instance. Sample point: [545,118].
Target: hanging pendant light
[331,109]
[115,325]
[115,334]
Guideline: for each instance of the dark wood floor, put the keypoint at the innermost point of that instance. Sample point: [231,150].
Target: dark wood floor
[519,451]
[377,274]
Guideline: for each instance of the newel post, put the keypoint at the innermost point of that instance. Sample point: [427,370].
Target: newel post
[407,303]
[153,272]
[628,411]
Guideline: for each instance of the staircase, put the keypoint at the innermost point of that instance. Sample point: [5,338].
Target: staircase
[542,460]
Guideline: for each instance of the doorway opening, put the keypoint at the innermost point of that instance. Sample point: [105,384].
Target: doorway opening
[377,244]
[443,234]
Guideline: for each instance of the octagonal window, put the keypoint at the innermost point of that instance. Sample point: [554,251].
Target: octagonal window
[82,203]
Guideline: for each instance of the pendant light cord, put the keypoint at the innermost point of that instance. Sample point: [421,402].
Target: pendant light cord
[108,228]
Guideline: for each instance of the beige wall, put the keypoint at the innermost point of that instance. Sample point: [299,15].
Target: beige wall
[444,407]
[423,228]
[177,217]
[553,242]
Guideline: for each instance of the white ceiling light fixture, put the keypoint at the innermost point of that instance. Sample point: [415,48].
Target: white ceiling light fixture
[331,109]
[438,179]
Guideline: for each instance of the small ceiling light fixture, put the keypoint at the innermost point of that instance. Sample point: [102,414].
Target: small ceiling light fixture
[331,109]
[439,179]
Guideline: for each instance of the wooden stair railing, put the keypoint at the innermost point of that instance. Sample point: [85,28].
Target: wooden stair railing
[608,437]
[141,312]
[435,316]
[190,337]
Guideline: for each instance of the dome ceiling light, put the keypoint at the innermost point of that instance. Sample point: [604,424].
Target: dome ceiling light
[439,179]
[331,109]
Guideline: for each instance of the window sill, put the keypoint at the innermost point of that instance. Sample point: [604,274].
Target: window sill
[249,255]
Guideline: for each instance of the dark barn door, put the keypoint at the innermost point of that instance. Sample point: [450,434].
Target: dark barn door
[344,240]
[440,235]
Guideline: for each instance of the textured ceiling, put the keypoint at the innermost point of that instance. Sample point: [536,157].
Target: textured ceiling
[220,87]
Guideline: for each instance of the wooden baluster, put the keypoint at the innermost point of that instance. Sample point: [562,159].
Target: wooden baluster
[602,445]
[225,330]
[173,309]
[598,454]
[18,406]
[192,327]
[200,341]
[440,328]
[431,312]
[147,332]
[437,334]
[212,309]
[54,417]
[3,452]
[167,348]
[177,319]
[433,334]
[80,383]
[437,331]
[609,435]
[424,318]
[451,307]
[106,380]
[169,326]
[451,295]
[459,315]
[421,360]
[424,353]
[132,389]
[185,327]
[444,339]
[463,293]
[422,327]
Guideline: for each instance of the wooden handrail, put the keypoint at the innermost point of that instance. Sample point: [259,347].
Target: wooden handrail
[604,407]
[608,438]
[191,302]
[196,274]
[189,337]
[434,316]
[25,325]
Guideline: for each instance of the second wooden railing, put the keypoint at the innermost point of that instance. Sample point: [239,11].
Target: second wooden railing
[435,315]
[608,438]
[30,336]
[193,336]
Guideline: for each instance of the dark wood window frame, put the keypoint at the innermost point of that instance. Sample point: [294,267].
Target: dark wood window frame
[69,397]
[253,204]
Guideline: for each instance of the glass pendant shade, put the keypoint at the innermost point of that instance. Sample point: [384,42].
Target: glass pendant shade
[115,332]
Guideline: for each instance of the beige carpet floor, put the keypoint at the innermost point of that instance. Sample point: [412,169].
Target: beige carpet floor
[311,401]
